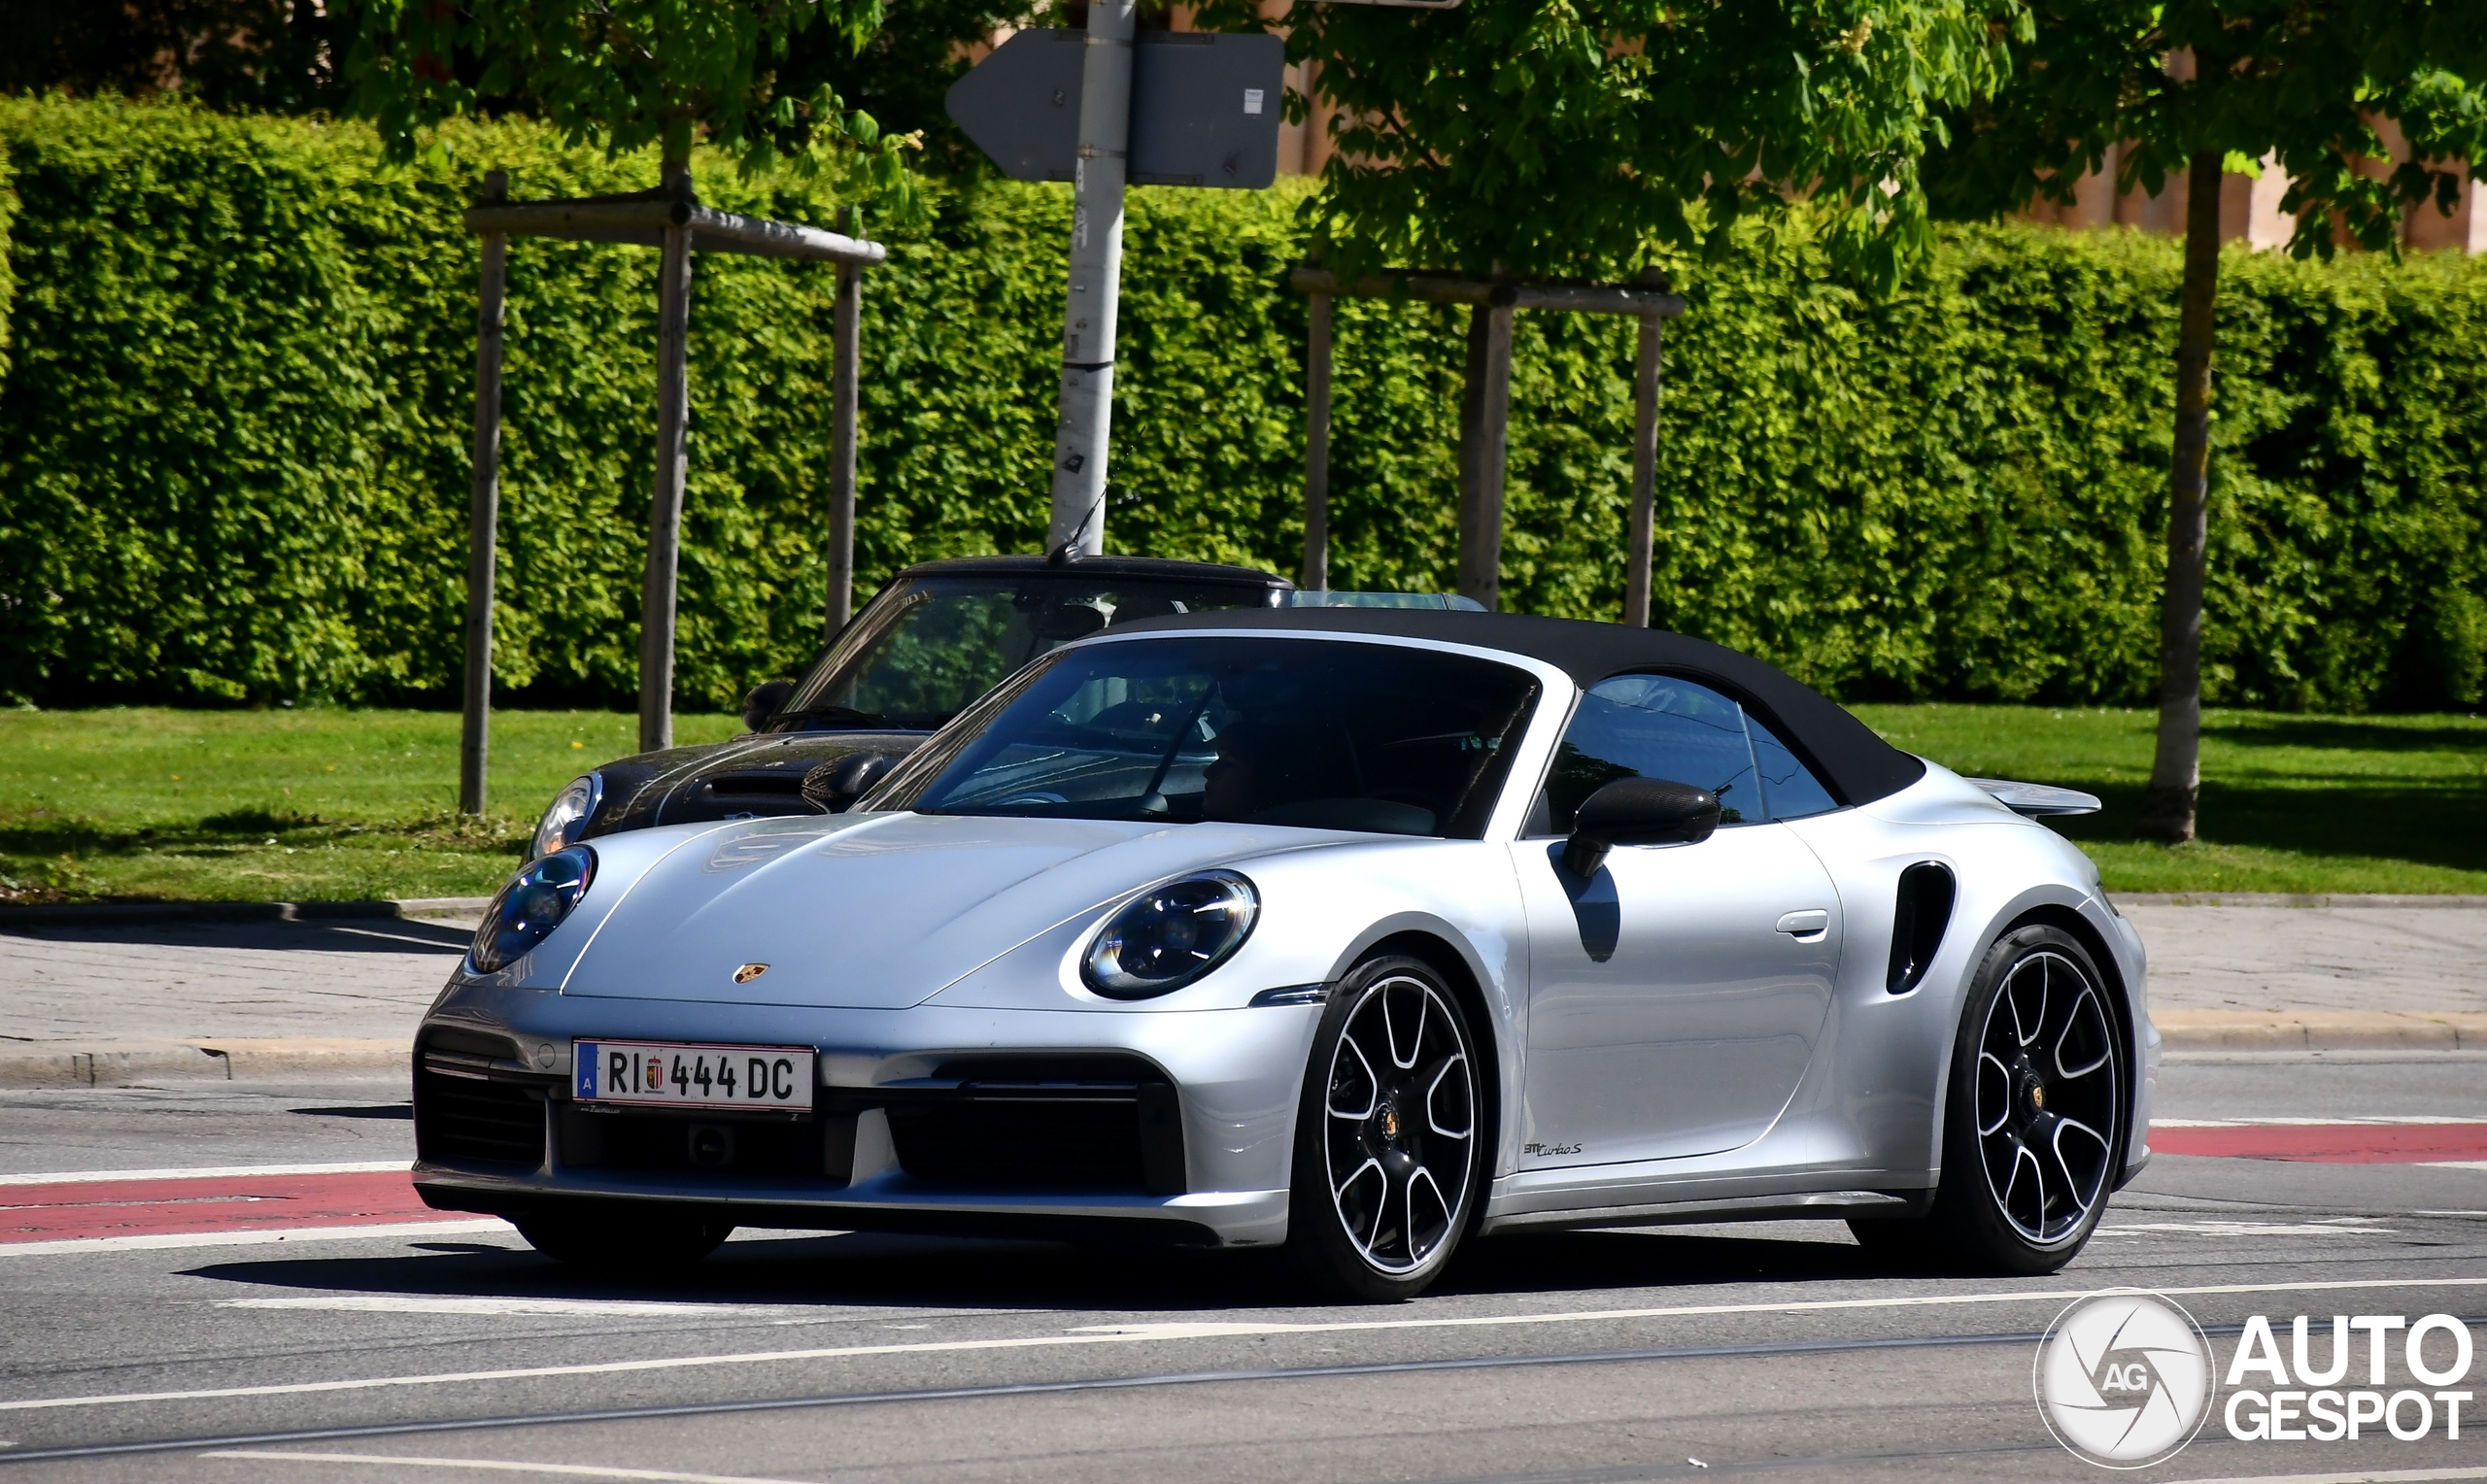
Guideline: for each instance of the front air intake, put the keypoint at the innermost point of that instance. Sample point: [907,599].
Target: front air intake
[1917,923]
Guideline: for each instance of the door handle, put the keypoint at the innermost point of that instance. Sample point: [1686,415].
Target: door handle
[1805,925]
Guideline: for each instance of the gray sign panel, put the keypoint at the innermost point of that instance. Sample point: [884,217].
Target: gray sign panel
[1203,108]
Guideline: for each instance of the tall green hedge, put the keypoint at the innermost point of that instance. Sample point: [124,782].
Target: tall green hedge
[233,436]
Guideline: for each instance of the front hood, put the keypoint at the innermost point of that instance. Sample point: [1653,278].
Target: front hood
[876,911]
[753,774]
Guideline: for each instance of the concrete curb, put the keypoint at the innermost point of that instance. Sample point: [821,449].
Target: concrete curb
[2335,902]
[143,1062]
[2321,1029]
[223,1061]
[103,914]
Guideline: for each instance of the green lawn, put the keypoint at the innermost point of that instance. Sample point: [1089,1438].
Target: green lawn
[291,805]
[2290,803]
[318,804]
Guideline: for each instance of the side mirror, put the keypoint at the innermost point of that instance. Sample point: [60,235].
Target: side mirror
[766,700]
[834,787]
[1638,811]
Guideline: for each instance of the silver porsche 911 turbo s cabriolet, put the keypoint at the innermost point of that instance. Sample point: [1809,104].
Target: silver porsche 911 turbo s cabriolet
[1362,932]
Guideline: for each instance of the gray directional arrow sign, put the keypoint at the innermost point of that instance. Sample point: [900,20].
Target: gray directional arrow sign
[1203,108]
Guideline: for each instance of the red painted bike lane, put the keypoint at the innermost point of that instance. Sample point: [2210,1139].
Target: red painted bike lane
[2328,1143]
[164,1205]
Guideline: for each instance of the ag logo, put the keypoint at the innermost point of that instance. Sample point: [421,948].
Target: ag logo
[2123,1379]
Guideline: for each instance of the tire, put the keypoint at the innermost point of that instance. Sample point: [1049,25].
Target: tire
[611,1239]
[1389,1138]
[2033,1125]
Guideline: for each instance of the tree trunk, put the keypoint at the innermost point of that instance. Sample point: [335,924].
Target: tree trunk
[660,596]
[2176,772]
[1485,420]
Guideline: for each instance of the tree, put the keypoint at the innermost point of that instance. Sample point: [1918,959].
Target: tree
[1599,138]
[1590,139]
[2200,87]
[625,75]
[269,55]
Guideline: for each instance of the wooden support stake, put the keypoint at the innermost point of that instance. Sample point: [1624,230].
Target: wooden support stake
[846,390]
[1316,446]
[1645,467]
[664,508]
[1483,448]
[483,532]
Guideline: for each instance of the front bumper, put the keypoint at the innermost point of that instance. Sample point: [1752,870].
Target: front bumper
[1178,1125]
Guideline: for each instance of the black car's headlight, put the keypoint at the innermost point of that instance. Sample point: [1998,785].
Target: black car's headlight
[1170,936]
[532,906]
[570,810]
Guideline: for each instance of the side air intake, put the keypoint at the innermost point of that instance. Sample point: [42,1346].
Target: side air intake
[1924,912]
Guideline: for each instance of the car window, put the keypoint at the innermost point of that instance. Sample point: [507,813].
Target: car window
[1789,791]
[1324,734]
[1654,726]
[918,658]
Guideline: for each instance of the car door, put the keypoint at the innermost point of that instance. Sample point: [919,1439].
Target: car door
[1675,996]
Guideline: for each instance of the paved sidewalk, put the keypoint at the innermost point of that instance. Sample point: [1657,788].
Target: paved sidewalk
[117,1002]
[2333,977]
[121,1002]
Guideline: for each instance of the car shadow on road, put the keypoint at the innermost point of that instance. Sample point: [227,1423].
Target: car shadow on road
[329,935]
[849,1270]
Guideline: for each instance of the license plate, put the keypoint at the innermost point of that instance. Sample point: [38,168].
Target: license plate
[672,1074]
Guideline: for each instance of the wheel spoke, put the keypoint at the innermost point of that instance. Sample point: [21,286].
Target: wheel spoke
[2003,1102]
[1372,1084]
[1433,1092]
[1414,1249]
[2075,1183]
[2095,1026]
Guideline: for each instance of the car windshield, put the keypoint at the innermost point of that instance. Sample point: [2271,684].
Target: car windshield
[1326,734]
[920,652]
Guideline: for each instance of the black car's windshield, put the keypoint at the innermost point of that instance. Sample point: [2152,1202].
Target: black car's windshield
[916,658]
[1323,734]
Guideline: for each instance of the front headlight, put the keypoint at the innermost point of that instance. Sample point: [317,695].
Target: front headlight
[532,906]
[1170,936]
[571,809]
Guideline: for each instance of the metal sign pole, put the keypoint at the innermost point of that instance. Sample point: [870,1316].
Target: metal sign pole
[844,392]
[483,535]
[1087,405]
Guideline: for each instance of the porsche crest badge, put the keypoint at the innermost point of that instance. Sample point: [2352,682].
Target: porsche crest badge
[749,973]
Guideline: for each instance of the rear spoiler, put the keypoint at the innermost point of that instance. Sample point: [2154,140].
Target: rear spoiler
[2037,798]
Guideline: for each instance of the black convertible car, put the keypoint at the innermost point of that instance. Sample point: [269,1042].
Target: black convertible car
[940,634]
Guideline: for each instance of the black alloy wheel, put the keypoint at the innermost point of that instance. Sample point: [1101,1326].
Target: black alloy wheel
[2034,1127]
[618,1239]
[1389,1134]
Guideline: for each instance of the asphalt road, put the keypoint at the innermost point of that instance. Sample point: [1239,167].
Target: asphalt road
[452,1354]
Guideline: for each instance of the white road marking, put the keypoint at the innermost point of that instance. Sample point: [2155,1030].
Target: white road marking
[72,1244]
[502,1465]
[1123,1335]
[620,1309]
[2354,1226]
[207,1172]
[2452,1164]
[434,944]
[2378,1476]
[2309,1121]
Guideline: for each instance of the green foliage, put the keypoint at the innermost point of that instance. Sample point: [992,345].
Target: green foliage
[233,443]
[623,74]
[274,55]
[1586,138]
[2305,80]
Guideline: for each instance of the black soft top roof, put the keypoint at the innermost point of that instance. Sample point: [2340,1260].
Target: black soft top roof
[1154,568]
[1857,763]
